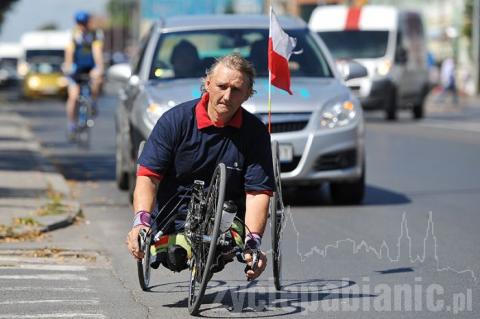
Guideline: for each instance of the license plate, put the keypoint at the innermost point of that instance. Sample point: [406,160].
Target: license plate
[285,153]
[49,90]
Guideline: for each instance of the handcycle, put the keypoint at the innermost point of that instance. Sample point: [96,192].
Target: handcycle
[84,110]
[202,231]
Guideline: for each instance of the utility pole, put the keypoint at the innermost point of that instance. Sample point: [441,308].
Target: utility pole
[476,44]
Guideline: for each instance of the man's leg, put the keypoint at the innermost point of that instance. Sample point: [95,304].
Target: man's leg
[73,93]
[96,86]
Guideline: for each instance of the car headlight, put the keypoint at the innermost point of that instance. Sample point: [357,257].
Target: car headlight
[384,67]
[33,82]
[153,113]
[338,114]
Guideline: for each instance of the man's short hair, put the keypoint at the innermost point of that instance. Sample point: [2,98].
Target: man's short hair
[236,62]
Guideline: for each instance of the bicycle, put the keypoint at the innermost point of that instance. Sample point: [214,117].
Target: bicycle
[85,111]
[202,231]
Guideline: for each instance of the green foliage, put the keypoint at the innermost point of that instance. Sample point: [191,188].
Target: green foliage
[5,5]
[468,19]
[48,26]
[120,11]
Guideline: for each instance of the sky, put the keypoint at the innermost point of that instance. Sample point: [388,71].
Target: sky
[28,15]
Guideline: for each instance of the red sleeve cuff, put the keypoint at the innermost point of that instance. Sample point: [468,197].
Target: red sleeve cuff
[143,171]
[269,193]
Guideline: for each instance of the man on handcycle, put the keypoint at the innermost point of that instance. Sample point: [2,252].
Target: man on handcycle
[189,141]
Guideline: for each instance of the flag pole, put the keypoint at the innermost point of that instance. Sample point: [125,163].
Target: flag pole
[270,80]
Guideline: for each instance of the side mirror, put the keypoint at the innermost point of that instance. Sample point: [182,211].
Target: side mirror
[134,80]
[119,72]
[351,70]
[401,56]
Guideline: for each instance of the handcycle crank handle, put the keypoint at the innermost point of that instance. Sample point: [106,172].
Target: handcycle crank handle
[142,236]
[254,262]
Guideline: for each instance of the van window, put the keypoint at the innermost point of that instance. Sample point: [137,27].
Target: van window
[356,44]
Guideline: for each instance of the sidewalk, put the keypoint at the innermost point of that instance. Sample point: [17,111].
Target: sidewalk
[34,197]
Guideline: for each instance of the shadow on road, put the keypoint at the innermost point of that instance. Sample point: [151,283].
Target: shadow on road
[86,166]
[253,301]
[319,196]
[381,196]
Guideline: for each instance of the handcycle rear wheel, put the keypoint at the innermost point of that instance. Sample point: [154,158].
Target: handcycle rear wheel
[277,218]
[204,254]
[143,265]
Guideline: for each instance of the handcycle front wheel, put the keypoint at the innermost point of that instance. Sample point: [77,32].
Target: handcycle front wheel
[205,252]
[143,265]
[277,218]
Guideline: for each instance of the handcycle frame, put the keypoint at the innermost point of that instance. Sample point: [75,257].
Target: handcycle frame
[202,231]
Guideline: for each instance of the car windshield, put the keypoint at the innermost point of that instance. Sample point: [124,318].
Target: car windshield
[33,54]
[189,54]
[45,68]
[356,44]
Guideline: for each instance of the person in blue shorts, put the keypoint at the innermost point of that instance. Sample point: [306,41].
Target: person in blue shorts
[84,55]
[188,142]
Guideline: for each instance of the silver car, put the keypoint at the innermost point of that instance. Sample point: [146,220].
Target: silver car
[320,127]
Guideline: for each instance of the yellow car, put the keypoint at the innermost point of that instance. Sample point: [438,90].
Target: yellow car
[44,79]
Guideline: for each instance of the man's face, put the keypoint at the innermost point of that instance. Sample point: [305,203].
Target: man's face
[227,89]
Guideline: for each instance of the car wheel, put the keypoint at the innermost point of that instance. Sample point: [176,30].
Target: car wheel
[418,109]
[348,193]
[391,106]
[121,176]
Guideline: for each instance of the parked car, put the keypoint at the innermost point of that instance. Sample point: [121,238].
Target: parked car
[320,127]
[44,78]
[390,43]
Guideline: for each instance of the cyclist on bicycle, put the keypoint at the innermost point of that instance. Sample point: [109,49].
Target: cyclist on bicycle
[84,55]
[188,142]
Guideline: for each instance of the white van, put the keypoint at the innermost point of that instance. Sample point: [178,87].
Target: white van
[49,45]
[390,43]
[10,53]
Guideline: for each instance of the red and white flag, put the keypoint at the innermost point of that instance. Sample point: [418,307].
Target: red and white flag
[280,47]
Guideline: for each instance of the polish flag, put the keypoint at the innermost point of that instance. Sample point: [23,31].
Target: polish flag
[280,47]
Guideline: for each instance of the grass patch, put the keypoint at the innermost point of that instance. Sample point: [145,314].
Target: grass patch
[54,206]
[25,221]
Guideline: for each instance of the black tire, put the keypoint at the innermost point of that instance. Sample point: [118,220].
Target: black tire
[277,219]
[121,177]
[143,266]
[391,106]
[418,109]
[204,255]
[348,193]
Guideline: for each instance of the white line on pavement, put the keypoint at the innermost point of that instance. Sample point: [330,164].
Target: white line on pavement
[53,267]
[70,302]
[68,277]
[452,125]
[69,289]
[53,315]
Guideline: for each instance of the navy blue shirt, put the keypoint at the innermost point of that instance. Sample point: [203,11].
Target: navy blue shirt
[181,150]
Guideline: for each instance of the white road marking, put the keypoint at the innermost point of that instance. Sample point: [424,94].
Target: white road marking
[68,277]
[452,125]
[54,289]
[70,302]
[53,267]
[53,315]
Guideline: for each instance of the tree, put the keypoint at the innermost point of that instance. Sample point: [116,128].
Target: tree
[5,5]
[48,26]
[120,11]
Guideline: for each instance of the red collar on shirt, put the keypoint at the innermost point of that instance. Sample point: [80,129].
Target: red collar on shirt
[203,120]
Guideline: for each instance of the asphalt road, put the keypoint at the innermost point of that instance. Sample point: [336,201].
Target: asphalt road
[411,250]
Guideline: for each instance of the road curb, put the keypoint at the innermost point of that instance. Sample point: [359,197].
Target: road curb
[67,221]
